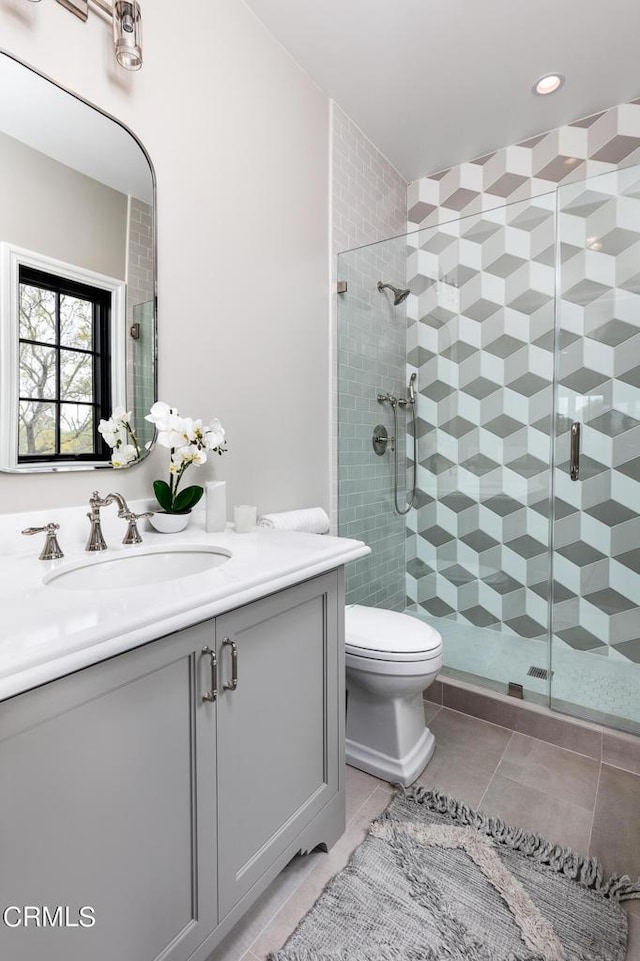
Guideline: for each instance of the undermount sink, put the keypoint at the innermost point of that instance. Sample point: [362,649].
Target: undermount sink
[138,568]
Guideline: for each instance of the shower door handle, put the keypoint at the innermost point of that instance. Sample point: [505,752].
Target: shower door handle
[574,455]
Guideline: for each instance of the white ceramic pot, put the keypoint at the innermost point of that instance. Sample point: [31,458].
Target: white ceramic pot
[169,523]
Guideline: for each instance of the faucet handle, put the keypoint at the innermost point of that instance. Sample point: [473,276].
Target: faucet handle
[51,550]
[133,534]
[96,500]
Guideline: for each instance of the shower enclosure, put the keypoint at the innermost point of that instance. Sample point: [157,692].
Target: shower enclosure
[522,545]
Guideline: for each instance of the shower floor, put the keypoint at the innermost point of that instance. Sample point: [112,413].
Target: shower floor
[604,688]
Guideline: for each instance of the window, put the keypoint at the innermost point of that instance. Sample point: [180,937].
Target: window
[64,359]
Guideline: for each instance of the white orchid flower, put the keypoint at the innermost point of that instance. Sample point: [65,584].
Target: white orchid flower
[120,436]
[178,458]
[124,455]
[159,411]
[215,435]
[121,416]
[171,436]
[199,456]
[189,454]
[114,432]
[190,429]
[105,427]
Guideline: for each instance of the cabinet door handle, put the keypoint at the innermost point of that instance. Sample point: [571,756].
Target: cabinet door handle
[213,693]
[233,684]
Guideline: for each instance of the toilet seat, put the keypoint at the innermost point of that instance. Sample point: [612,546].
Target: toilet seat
[380,635]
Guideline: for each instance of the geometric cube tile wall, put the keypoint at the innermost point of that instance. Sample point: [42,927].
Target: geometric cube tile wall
[599,386]
[482,340]
[480,336]
[597,144]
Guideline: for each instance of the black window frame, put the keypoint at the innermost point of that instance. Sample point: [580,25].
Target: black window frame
[101,402]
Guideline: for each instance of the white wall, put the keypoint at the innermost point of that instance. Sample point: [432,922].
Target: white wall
[38,195]
[238,135]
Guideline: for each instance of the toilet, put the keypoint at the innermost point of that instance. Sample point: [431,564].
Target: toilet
[391,658]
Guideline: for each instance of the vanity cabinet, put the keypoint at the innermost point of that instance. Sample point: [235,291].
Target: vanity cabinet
[124,790]
[277,731]
[108,800]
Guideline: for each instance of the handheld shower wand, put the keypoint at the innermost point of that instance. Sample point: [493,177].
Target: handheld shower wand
[396,402]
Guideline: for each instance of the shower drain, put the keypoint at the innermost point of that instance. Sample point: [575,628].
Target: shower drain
[540,672]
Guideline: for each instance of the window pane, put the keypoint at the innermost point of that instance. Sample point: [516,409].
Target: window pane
[76,376]
[36,428]
[38,371]
[37,314]
[76,323]
[76,429]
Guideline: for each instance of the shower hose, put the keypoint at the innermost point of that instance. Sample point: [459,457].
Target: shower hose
[411,502]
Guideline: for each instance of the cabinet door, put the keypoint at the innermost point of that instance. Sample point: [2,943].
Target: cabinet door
[100,807]
[278,730]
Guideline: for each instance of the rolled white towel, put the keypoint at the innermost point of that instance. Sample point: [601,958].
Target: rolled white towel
[311,520]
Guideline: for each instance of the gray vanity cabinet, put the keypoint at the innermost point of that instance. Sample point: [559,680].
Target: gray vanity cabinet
[100,807]
[123,789]
[278,750]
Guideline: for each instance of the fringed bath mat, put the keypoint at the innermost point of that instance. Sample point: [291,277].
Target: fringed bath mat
[437,881]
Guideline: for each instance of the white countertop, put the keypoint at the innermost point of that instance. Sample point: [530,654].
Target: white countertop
[48,631]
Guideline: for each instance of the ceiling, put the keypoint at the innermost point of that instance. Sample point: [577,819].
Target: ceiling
[436,82]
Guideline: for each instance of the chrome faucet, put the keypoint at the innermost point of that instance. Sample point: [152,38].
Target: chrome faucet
[133,534]
[96,540]
[51,550]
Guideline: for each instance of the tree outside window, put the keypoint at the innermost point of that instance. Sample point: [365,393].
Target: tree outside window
[63,366]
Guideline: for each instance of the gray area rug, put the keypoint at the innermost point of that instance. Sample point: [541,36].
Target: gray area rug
[436,881]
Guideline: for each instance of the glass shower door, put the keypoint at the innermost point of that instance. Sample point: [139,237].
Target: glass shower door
[480,334]
[596,505]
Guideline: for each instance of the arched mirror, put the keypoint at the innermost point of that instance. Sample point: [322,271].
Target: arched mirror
[77,276]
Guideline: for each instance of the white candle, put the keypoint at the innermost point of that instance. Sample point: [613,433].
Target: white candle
[244,518]
[216,505]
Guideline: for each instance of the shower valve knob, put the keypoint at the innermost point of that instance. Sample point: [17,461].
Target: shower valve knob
[380,439]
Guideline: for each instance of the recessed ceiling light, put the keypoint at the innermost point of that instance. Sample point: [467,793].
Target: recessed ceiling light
[548,84]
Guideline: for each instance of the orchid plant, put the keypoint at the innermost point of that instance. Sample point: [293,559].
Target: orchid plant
[189,442]
[120,435]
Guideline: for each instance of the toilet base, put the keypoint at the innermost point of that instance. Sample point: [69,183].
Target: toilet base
[386,734]
[397,770]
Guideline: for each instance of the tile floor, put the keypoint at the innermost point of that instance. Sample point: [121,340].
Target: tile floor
[568,797]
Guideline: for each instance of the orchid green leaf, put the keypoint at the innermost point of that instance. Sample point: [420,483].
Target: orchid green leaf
[163,495]
[187,499]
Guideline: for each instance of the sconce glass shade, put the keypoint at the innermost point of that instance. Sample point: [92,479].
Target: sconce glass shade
[127,34]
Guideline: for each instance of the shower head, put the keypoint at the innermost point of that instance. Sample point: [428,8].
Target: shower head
[400,294]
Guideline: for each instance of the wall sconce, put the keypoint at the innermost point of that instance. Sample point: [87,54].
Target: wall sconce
[127,26]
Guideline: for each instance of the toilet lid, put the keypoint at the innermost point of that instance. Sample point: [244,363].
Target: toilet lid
[389,635]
